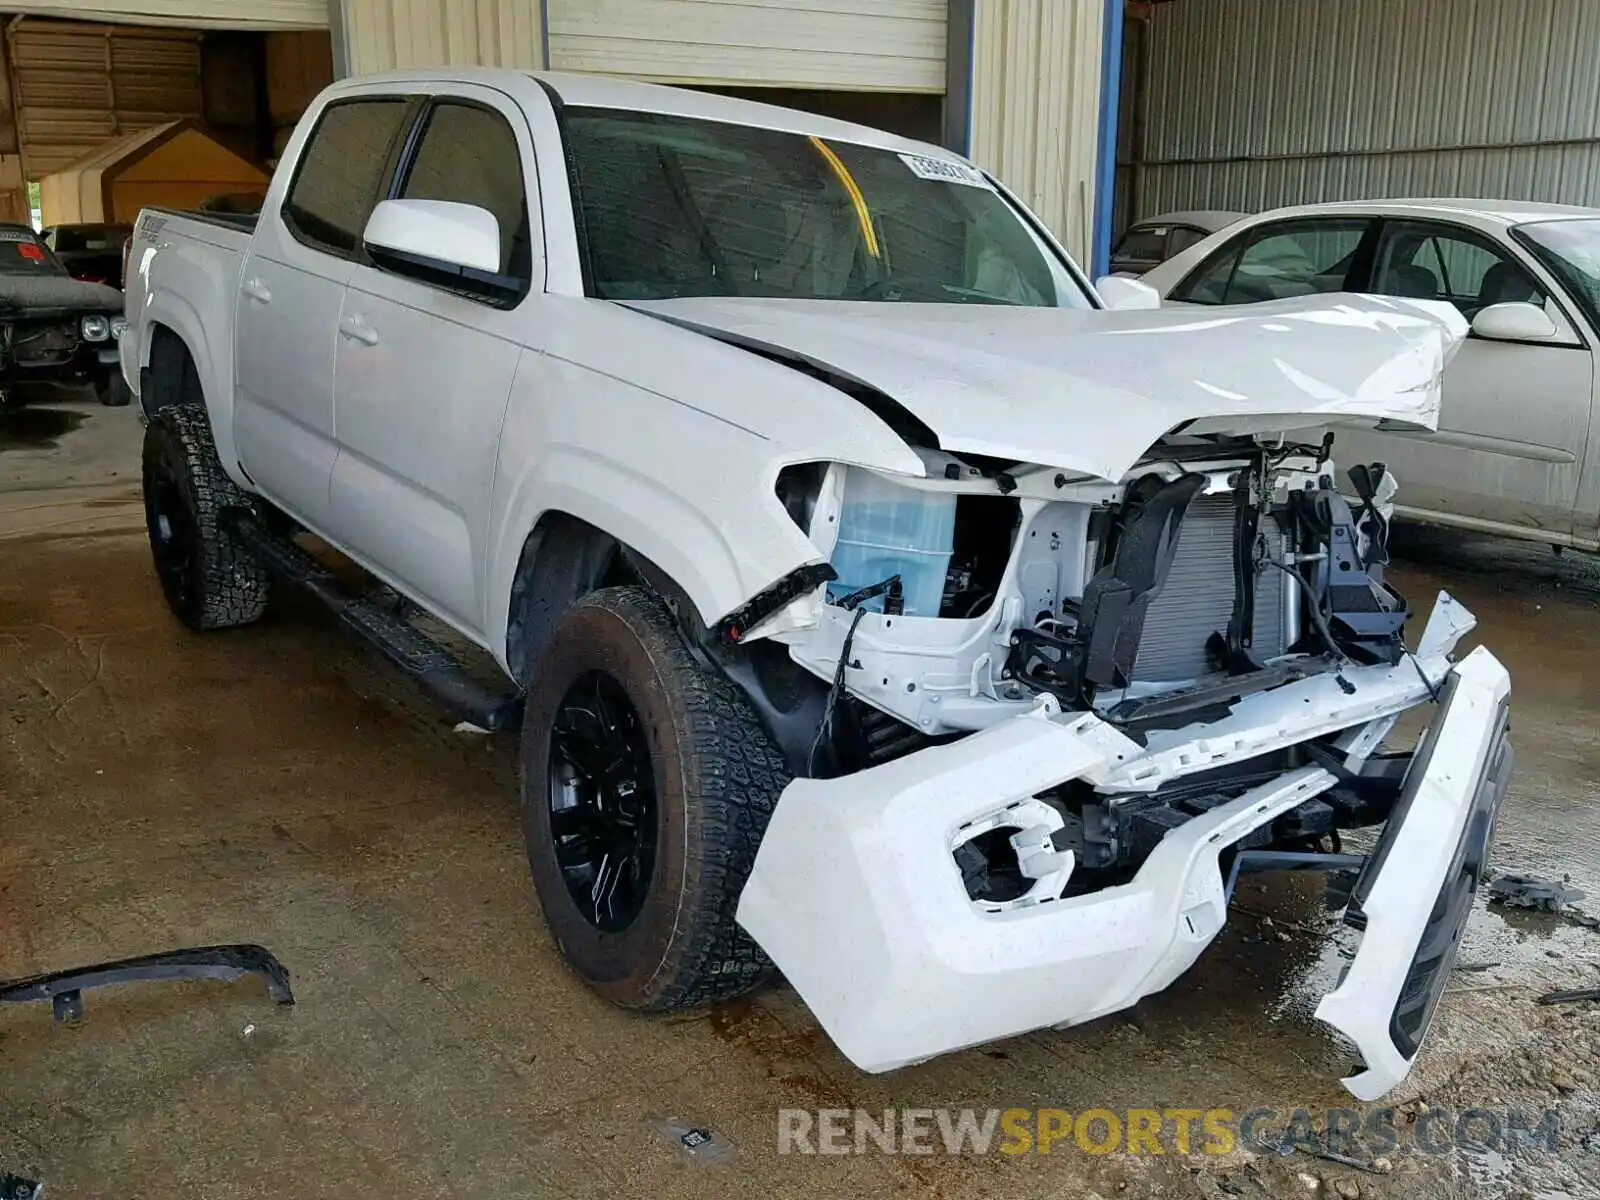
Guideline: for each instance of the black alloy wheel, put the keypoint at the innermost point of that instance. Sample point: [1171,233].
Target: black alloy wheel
[602,798]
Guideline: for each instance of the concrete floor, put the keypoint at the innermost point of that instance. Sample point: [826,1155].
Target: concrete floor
[277,785]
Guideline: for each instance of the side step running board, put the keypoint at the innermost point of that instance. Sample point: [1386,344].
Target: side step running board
[434,668]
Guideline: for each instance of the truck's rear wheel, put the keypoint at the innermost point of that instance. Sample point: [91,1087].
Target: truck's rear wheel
[209,578]
[112,390]
[647,783]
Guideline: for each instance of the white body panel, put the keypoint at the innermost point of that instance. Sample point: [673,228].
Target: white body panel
[286,328]
[420,396]
[184,278]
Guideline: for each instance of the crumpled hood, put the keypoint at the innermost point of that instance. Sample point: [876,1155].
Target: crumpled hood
[1092,390]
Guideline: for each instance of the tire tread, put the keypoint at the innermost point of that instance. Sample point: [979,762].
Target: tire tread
[233,586]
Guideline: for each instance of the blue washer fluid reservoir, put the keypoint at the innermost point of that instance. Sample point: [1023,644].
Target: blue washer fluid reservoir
[886,528]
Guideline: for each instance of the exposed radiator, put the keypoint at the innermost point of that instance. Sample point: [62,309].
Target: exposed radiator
[1198,598]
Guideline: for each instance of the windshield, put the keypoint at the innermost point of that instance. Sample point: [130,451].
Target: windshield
[21,253]
[1569,250]
[674,206]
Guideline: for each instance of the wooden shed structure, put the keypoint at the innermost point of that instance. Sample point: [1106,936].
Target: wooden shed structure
[174,164]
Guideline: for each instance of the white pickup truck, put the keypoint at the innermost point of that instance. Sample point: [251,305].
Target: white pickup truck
[874,601]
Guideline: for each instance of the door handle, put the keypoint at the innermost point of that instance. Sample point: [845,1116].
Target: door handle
[256,290]
[357,330]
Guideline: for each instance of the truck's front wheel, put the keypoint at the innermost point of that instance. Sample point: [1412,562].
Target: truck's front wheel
[209,578]
[647,785]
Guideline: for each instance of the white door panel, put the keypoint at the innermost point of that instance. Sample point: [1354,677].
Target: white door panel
[421,394]
[286,320]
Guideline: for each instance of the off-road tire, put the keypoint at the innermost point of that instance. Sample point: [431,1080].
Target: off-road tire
[209,578]
[717,777]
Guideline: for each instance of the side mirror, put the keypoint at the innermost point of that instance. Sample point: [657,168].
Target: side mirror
[1514,322]
[1124,294]
[438,241]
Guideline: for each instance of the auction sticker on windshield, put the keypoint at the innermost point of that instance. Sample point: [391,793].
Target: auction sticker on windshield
[924,167]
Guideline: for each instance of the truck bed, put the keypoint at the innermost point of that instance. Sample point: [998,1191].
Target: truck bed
[240,222]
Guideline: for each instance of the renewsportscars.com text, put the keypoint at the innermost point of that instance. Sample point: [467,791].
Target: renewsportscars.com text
[1149,1131]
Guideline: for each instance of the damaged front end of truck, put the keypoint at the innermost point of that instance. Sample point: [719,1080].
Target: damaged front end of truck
[1041,716]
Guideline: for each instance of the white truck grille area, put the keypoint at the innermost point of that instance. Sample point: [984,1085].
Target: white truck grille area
[1198,598]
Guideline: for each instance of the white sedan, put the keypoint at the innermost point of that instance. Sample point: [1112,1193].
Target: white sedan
[1517,435]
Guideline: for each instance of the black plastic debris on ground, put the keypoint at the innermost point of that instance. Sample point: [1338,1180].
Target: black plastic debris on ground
[15,1187]
[63,990]
[1529,891]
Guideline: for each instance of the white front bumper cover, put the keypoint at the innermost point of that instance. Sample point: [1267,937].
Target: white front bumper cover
[856,897]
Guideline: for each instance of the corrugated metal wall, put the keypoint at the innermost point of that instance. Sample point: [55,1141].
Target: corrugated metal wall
[79,84]
[855,45]
[1257,103]
[193,14]
[888,45]
[384,35]
[1036,106]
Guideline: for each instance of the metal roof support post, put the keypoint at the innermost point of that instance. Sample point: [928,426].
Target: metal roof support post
[339,39]
[1105,198]
[956,130]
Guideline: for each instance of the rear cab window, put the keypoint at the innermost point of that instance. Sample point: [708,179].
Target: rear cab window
[1184,236]
[1143,243]
[91,237]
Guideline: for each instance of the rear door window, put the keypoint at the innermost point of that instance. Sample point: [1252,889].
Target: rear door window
[1425,260]
[1275,262]
[336,185]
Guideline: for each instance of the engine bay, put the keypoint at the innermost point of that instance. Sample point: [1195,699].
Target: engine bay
[1213,570]
[1218,569]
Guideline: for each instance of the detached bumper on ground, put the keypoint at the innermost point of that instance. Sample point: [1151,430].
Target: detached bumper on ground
[857,898]
[1413,897]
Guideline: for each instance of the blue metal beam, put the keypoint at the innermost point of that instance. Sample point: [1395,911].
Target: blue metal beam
[957,118]
[1105,188]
